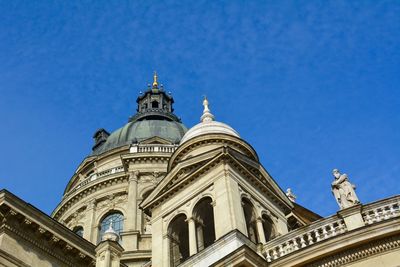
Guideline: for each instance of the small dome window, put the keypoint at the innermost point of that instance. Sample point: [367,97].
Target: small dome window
[154,104]
[78,230]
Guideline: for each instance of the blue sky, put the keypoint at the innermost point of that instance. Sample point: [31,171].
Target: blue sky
[311,85]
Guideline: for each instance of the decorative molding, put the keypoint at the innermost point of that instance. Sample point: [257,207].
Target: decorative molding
[365,251]
[42,245]
[64,207]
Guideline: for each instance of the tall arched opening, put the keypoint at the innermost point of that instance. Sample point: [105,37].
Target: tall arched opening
[251,220]
[203,214]
[269,227]
[178,234]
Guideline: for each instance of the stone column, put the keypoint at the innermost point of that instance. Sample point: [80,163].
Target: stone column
[132,201]
[192,236]
[90,224]
[260,230]
[200,237]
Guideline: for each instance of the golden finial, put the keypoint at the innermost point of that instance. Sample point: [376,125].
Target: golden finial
[155,82]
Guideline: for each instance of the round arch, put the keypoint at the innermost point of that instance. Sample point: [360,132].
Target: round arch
[78,229]
[112,218]
[203,215]
[269,227]
[250,219]
[178,235]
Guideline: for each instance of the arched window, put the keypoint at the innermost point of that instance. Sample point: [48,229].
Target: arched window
[250,218]
[178,234]
[203,214]
[154,104]
[269,227]
[78,230]
[117,220]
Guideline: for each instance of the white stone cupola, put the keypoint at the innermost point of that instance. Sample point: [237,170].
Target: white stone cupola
[215,194]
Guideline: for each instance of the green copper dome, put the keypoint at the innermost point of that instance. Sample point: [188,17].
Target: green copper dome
[134,132]
[154,117]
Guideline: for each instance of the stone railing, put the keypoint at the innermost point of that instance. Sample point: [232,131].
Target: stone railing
[303,237]
[150,148]
[381,210]
[328,228]
[96,176]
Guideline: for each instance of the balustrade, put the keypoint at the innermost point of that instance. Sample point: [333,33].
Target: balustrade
[382,210]
[95,176]
[328,228]
[303,237]
[152,148]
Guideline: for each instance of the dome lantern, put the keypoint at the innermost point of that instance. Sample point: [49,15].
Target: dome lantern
[154,117]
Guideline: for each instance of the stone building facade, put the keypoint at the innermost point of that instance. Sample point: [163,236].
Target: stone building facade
[154,193]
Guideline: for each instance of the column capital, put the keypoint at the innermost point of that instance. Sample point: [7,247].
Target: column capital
[191,219]
[134,175]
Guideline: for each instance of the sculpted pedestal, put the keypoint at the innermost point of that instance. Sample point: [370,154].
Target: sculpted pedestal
[352,217]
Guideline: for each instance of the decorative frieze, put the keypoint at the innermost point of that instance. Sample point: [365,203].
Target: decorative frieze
[358,253]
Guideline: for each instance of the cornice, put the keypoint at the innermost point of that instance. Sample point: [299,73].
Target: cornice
[173,183]
[260,180]
[50,249]
[91,159]
[145,157]
[177,185]
[88,190]
[40,230]
[225,139]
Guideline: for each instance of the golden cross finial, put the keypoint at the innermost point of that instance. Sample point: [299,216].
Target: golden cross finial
[155,82]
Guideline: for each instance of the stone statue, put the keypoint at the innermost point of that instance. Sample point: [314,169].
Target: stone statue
[343,190]
[292,197]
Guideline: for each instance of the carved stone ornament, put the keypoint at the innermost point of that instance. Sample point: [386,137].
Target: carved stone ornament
[147,224]
[292,197]
[343,190]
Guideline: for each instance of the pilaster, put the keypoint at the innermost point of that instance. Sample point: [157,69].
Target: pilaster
[132,201]
[131,234]
[90,224]
[228,211]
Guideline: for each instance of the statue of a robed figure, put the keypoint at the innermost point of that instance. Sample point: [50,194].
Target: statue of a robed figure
[343,190]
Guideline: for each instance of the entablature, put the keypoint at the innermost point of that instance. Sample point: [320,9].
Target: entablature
[42,231]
